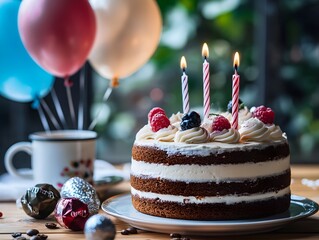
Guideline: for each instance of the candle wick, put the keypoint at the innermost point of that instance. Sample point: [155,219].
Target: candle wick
[236,68]
[184,70]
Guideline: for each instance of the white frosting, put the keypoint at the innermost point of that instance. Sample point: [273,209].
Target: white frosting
[166,134]
[228,199]
[193,135]
[204,149]
[145,133]
[254,130]
[275,132]
[243,115]
[176,119]
[225,136]
[210,173]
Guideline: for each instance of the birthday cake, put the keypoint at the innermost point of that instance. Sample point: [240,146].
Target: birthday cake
[186,168]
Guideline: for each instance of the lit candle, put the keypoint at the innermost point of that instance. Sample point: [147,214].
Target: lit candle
[235,94]
[184,79]
[206,83]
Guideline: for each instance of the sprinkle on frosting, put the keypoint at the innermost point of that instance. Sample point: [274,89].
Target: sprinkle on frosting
[254,130]
[193,135]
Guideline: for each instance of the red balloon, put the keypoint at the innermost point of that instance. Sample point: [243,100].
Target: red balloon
[58,34]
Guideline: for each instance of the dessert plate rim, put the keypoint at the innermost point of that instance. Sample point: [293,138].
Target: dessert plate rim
[120,206]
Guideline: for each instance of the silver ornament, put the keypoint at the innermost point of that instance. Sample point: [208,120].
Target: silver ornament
[99,227]
[79,188]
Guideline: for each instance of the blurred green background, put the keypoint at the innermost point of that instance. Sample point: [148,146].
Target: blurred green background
[278,45]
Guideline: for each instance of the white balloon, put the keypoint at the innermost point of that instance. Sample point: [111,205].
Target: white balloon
[128,33]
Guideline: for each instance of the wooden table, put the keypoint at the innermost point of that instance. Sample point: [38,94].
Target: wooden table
[15,220]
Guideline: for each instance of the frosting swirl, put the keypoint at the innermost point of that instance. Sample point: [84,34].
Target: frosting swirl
[243,115]
[275,132]
[166,134]
[176,119]
[193,135]
[145,133]
[254,130]
[225,136]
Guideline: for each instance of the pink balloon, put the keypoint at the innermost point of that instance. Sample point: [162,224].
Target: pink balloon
[58,34]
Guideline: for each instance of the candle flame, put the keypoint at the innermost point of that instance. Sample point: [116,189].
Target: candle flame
[205,52]
[236,60]
[183,63]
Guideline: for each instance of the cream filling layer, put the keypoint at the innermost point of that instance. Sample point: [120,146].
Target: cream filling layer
[210,173]
[229,199]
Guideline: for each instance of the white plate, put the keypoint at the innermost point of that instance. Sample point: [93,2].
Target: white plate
[122,208]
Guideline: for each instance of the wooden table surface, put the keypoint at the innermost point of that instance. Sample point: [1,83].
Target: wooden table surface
[15,220]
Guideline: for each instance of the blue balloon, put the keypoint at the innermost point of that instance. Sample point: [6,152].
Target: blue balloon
[21,79]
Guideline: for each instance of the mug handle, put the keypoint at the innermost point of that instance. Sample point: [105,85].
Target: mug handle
[13,150]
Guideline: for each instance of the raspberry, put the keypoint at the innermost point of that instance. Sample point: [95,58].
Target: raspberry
[153,112]
[159,121]
[264,114]
[220,123]
[190,120]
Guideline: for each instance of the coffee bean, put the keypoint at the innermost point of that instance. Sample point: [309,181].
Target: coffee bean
[51,225]
[20,238]
[132,230]
[42,236]
[125,232]
[175,235]
[32,232]
[1,214]
[16,234]
[35,237]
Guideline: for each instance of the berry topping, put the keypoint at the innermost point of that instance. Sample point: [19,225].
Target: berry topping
[264,114]
[190,120]
[155,111]
[230,105]
[220,123]
[159,121]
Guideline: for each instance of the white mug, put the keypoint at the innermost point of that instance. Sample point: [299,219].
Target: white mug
[56,156]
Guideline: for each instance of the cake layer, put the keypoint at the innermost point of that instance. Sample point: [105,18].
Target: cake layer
[218,211]
[207,173]
[258,185]
[208,153]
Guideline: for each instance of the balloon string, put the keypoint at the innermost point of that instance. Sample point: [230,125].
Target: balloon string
[82,99]
[50,114]
[58,108]
[105,98]
[68,84]
[44,121]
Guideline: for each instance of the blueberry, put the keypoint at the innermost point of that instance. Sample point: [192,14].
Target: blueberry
[190,120]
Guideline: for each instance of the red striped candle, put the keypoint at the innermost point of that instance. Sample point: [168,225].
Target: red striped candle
[184,79]
[235,94]
[206,82]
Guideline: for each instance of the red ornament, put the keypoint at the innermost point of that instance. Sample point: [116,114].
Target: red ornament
[1,214]
[72,213]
